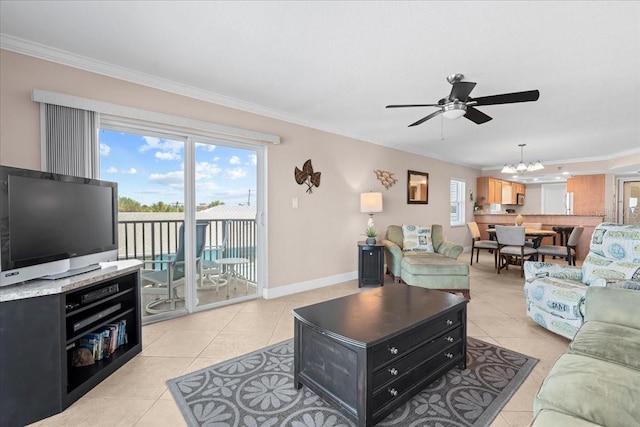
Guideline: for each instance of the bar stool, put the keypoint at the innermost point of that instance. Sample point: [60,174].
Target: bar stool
[563,232]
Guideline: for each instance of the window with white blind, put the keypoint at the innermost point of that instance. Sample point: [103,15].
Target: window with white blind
[457,202]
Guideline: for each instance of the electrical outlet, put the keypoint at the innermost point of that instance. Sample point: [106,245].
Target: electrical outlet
[294,202]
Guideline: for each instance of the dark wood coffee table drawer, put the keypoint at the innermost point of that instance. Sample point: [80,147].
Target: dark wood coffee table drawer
[428,371]
[399,367]
[403,344]
[342,347]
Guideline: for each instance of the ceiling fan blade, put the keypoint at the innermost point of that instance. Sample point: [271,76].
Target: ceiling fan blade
[476,116]
[461,91]
[507,98]
[424,119]
[412,105]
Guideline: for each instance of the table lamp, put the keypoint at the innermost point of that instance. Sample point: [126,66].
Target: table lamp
[370,203]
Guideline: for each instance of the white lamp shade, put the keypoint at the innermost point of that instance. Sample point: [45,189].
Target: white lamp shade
[370,202]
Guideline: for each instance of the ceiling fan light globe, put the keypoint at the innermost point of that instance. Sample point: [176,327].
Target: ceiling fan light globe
[454,110]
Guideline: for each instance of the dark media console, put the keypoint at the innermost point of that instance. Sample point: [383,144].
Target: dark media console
[40,333]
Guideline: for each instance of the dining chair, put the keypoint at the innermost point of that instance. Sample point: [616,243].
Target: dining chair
[167,280]
[511,246]
[568,252]
[477,244]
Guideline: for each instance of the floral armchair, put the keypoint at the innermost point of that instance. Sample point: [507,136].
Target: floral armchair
[555,292]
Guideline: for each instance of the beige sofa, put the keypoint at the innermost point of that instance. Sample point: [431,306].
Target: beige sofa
[433,265]
[598,382]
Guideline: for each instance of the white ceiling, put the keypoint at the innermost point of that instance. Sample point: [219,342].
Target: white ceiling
[335,65]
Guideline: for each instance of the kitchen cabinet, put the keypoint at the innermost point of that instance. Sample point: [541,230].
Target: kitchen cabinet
[588,194]
[493,190]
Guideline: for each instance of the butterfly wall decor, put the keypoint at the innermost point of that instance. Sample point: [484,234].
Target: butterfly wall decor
[307,176]
[385,177]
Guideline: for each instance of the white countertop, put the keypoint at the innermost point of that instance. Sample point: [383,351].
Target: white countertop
[36,288]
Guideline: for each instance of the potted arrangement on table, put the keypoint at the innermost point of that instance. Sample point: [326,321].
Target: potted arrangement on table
[371,234]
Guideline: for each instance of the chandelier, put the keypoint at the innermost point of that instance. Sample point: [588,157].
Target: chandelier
[522,167]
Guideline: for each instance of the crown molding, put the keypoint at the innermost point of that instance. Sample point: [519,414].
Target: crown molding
[48,53]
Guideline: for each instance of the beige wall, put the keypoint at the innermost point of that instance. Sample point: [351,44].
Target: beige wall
[315,242]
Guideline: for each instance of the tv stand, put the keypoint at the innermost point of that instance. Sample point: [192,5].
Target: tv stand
[72,272]
[41,326]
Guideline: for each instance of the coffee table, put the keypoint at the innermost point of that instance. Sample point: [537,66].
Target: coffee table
[370,352]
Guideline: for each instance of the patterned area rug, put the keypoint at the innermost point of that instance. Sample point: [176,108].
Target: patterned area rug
[256,390]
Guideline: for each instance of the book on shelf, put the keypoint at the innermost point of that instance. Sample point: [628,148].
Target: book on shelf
[103,343]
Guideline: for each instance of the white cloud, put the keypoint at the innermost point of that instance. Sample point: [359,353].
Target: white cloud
[234,160]
[151,142]
[207,169]
[104,149]
[130,171]
[253,159]
[170,178]
[167,155]
[166,149]
[206,186]
[235,173]
[206,147]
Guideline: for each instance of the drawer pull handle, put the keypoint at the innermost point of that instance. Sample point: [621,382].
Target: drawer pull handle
[449,322]
[393,371]
[370,253]
[393,392]
[450,339]
[448,355]
[393,350]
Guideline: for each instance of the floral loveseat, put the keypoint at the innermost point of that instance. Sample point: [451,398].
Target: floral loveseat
[555,292]
[419,256]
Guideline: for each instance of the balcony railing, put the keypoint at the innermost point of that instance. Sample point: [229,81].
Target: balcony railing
[155,240]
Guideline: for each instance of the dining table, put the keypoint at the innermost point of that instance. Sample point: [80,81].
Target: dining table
[536,235]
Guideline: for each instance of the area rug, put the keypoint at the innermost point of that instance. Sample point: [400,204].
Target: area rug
[256,390]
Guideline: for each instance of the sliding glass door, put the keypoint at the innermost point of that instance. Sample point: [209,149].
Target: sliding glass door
[226,203]
[187,209]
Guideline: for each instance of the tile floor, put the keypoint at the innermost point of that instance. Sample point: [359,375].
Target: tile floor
[136,394]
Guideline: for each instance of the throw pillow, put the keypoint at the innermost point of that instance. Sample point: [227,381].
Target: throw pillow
[416,238]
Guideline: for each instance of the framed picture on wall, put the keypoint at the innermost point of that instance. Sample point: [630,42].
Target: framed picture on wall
[417,188]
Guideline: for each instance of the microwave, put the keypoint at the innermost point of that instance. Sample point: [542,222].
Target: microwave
[520,199]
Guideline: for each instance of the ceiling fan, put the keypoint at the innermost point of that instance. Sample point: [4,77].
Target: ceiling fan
[459,103]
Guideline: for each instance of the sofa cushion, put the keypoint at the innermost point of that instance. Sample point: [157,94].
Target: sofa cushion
[416,238]
[549,418]
[433,264]
[434,271]
[595,390]
[607,341]
[558,296]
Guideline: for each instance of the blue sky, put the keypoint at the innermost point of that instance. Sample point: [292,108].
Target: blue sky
[150,169]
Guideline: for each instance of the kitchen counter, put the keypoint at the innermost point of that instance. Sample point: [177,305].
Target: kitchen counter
[548,221]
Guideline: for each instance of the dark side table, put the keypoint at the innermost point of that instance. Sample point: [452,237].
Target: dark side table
[370,264]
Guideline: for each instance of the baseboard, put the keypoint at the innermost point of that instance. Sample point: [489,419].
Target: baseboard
[294,288]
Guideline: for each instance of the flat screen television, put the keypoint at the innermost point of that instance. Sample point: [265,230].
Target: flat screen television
[54,225]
